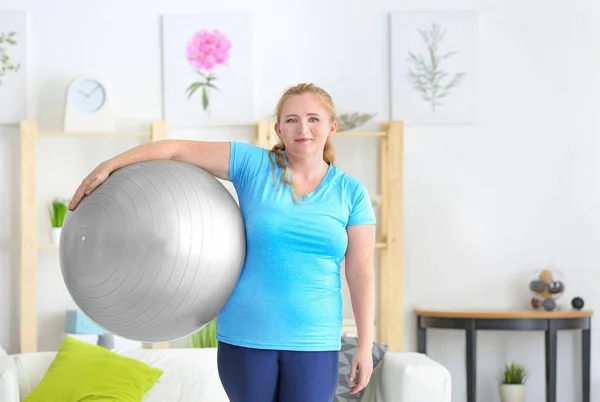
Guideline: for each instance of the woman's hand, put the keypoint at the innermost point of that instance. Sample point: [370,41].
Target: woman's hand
[363,364]
[90,183]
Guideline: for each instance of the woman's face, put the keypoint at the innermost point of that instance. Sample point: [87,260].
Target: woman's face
[304,125]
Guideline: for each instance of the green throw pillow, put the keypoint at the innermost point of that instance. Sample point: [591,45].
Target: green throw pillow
[85,372]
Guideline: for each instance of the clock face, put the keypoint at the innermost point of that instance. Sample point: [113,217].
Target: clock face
[87,95]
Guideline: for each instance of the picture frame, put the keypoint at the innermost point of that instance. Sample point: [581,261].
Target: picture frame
[208,69]
[434,67]
[13,66]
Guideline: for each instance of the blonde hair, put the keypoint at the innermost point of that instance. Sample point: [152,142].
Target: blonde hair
[276,153]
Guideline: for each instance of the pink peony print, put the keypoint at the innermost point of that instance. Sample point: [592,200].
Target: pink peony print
[206,50]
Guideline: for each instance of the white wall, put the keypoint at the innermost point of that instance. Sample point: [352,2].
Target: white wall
[484,205]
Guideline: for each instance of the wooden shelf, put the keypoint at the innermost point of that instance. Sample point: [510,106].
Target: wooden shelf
[29,237]
[84,134]
[390,318]
[362,134]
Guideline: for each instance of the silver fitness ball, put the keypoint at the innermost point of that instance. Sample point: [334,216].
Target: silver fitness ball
[154,252]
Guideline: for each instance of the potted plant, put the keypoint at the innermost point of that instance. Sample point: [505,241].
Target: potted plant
[58,211]
[206,337]
[512,388]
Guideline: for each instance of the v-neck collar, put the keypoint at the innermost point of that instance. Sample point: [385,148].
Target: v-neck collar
[324,181]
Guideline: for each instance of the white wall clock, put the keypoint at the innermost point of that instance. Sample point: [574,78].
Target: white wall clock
[87,106]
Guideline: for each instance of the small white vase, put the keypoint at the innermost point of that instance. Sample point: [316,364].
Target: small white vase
[55,235]
[512,392]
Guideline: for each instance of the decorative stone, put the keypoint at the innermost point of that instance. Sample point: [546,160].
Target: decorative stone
[549,304]
[577,303]
[546,276]
[556,287]
[537,286]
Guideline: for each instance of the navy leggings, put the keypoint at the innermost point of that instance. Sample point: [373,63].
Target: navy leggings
[255,375]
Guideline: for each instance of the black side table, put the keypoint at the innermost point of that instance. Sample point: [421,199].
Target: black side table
[512,320]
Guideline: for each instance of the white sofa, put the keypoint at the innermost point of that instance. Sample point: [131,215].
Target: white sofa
[191,375]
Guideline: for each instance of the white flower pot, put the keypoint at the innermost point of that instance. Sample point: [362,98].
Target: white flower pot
[512,392]
[55,235]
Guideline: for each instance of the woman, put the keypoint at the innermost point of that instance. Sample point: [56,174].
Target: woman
[279,332]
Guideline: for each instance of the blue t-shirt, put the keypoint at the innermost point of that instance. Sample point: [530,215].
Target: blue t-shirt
[288,296]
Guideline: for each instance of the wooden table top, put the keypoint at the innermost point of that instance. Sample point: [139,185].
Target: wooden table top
[503,313]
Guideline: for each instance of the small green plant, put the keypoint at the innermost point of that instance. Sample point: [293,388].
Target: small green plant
[7,39]
[514,374]
[58,211]
[206,337]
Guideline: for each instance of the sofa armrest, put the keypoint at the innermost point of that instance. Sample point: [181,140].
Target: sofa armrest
[409,377]
[9,380]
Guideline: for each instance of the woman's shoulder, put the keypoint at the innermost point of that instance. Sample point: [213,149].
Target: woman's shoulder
[348,183]
[356,198]
[245,161]
[247,153]
[244,148]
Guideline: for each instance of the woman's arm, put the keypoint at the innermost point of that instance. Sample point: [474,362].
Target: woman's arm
[210,156]
[361,283]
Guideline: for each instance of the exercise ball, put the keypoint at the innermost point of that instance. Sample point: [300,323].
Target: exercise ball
[154,252]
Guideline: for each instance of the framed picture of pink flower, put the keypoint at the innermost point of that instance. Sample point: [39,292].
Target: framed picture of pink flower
[207,70]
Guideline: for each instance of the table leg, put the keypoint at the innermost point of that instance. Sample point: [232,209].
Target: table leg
[421,337]
[586,343]
[551,343]
[471,362]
